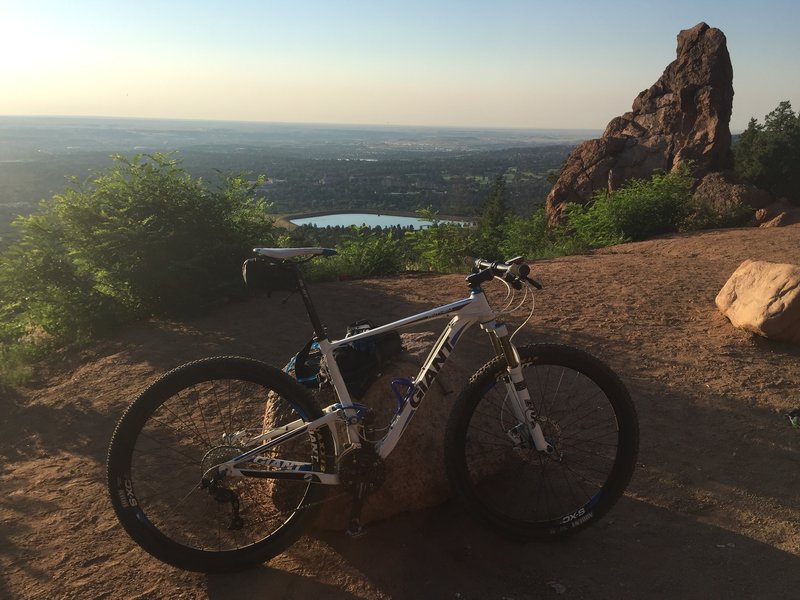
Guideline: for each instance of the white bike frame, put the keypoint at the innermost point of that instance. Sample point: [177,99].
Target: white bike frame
[464,313]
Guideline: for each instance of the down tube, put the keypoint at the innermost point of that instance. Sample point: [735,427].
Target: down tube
[422,383]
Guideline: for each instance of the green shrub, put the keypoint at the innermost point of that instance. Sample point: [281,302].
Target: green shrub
[369,255]
[363,253]
[638,210]
[138,239]
[15,365]
[441,246]
[530,237]
[703,216]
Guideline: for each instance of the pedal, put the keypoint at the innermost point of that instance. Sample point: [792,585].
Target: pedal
[356,530]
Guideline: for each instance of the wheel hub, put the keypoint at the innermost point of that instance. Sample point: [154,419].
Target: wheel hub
[524,447]
[218,455]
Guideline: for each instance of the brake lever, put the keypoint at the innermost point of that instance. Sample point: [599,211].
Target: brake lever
[513,281]
[534,283]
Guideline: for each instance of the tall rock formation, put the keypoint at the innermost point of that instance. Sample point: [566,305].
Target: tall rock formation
[684,116]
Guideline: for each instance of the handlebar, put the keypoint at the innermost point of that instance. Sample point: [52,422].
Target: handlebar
[515,267]
[513,271]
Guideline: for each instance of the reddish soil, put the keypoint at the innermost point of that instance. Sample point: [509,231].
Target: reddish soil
[713,509]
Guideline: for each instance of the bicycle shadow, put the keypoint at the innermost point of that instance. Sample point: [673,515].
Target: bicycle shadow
[622,556]
[441,553]
[278,583]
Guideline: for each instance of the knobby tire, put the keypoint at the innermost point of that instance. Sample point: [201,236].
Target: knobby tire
[585,413]
[173,433]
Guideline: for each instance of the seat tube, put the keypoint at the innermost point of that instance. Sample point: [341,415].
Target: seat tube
[319,328]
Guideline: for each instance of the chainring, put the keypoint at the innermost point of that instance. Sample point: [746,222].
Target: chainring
[362,467]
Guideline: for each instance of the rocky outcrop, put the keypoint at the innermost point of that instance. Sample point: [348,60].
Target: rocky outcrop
[684,116]
[777,214]
[723,194]
[764,298]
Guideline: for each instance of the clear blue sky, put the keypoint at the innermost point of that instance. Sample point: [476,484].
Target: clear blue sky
[499,63]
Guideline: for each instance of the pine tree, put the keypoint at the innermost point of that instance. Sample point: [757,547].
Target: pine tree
[490,221]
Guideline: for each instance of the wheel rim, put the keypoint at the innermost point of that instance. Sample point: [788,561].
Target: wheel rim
[519,485]
[189,433]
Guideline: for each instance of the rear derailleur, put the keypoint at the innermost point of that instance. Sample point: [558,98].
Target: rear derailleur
[223,495]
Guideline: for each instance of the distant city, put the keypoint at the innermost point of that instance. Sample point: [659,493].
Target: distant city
[310,167]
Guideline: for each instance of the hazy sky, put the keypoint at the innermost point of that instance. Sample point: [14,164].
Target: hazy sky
[495,63]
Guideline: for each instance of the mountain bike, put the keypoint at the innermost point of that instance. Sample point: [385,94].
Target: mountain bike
[221,463]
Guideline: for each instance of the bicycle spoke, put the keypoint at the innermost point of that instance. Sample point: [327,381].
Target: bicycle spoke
[534,493]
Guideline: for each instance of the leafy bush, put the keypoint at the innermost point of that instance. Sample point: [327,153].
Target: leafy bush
[15,365]
[527,236]
[638,210]
[363,252]
[768,155]
[138,239]
[366,253]
[704,216]
[440,246]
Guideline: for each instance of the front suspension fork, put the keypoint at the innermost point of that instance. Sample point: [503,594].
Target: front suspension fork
[517,390]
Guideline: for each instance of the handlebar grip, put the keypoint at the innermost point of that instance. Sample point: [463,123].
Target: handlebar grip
[522,270]
[512,271]
[518,269]
[482,276]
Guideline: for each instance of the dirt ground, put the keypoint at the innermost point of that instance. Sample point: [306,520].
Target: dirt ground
[712,511]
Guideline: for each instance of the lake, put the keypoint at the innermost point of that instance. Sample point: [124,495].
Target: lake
[370,220]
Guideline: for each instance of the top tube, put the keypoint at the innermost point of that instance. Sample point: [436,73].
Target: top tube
[429,315]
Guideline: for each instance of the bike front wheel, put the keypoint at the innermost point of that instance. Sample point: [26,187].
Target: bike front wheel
[192,419]
[586,415]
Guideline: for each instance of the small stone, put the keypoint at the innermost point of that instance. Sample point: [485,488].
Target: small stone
[558,588]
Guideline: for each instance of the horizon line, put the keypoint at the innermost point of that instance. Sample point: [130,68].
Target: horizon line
[306,123]
[734,131]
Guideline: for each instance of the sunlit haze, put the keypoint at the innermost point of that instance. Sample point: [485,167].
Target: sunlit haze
[475,64]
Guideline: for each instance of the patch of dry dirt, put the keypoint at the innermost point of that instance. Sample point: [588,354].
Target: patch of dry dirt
[713,509]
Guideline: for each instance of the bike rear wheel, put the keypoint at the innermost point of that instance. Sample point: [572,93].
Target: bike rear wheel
[187,422]
[585,413]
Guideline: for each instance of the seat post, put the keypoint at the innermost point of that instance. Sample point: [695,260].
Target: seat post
[319,329]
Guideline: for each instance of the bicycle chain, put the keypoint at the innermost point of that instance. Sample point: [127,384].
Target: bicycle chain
[325,500]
